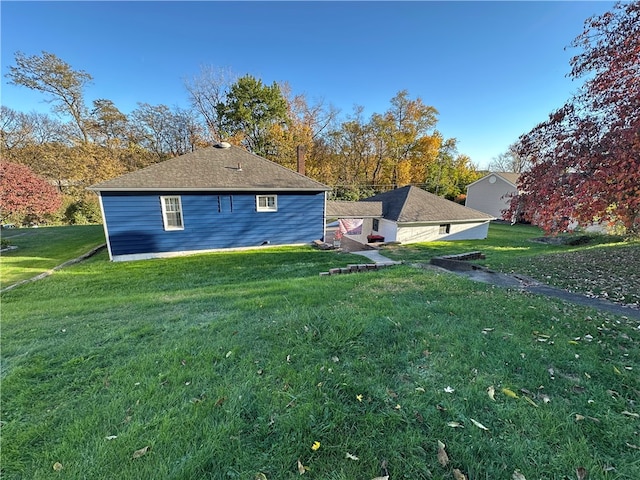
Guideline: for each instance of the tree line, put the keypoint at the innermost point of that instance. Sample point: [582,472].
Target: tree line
[78,144]
[579,167]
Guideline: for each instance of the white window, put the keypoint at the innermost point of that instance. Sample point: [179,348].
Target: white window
[172,213]
[267,203]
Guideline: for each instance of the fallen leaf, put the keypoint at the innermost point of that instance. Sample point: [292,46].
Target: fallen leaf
[301,468]
[531,402]
[420,389]
[509,393]
[518,476]
[398,407]
[615,369]
[386,477]
[581,473]
[479,425]
[546,398]
[455,425]
[631,445]
[315,446]
[443,458]
[491,392]
[359,398]
[57,466]
[141,452]
[630,414]
[352,457]
[458,475]
[260,476]
[579,417]
[449,389]
[111,437]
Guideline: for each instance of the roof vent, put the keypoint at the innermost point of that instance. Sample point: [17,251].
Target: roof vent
[223,145]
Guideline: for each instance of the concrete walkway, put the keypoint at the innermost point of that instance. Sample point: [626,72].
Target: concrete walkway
[526,284]
[376,257]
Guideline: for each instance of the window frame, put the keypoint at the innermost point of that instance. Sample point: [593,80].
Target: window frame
[267,208]
[444,229]
[375,225]
[165,219]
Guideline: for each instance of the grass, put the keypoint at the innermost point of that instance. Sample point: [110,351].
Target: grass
[231,365]
[605,267]
[41,249]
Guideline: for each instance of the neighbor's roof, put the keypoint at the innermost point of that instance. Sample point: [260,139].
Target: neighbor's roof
[412,204]
[345,209]
[213,168]
[510,177]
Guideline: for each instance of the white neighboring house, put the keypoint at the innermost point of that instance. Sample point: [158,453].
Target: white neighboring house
[492,193]
[411,215]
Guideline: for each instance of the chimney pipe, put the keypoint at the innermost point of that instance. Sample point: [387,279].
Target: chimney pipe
[301,167]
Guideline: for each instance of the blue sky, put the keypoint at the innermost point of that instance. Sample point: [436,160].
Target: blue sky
[493,70]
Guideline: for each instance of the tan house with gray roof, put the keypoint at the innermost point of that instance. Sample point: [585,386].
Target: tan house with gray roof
[492,193]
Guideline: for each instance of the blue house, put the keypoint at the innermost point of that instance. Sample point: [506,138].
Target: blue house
[215,198]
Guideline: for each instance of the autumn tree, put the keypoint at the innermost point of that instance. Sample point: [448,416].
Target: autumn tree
[585,159]
[108,126]
[24,195]
[451,173]
[405,135]
[307,123]
[65,87]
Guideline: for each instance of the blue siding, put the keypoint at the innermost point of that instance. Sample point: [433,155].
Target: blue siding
[211,221]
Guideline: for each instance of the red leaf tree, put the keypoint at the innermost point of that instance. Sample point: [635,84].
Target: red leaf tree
[585,159]
[23,193]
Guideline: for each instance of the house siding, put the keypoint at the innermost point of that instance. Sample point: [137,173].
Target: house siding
[490,198]
[215,220]
[430,233]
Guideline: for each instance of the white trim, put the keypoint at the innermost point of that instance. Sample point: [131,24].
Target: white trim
[267,208]
[165,220]
[104,226]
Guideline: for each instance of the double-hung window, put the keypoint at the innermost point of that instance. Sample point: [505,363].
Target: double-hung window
[267,203]
[172,213]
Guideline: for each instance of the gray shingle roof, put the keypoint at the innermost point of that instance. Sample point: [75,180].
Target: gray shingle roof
[345,209]
[509,177]
[412,204]
[213,168]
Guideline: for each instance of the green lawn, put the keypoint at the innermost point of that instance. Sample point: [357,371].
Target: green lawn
[606,267]
[232,365]
[41,249]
